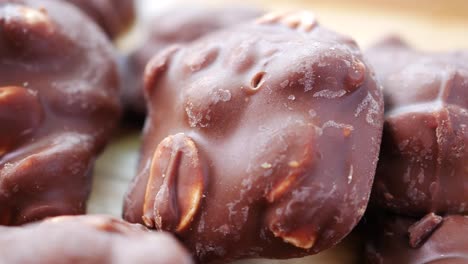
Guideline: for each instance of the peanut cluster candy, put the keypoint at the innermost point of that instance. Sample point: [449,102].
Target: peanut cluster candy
[424,157]
[88,239]
[58,106]
[113,16]
[440,240]
[177,25]
[261,140]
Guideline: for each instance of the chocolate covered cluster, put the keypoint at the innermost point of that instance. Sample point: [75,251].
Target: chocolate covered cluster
[58,107]
[261,140]
[422,172]
[422,168]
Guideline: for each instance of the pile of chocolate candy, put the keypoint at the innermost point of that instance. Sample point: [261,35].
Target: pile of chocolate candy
[265,134]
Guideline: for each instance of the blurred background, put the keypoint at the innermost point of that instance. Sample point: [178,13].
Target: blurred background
[427,24]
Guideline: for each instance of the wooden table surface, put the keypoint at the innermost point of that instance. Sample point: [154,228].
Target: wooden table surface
[438,25]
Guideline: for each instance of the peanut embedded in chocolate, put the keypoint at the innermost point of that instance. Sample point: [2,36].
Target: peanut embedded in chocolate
[176,176]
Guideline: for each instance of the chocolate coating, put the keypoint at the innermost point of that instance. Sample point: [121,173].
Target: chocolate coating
[58,106]
[113,16]
[181,25]
[424,156]
[271,145]
[446,243]
[88,239]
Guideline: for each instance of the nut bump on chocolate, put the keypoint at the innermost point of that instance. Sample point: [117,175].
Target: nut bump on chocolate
[113,16]
[271,145]
[21,114]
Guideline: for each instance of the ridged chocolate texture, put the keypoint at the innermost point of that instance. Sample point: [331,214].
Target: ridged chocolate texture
[445,241]
[261,140]
[179,25]
[88,239]
[58,106]
[424,156]
[113,16]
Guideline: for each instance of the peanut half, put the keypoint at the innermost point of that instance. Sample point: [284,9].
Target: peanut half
[175,186]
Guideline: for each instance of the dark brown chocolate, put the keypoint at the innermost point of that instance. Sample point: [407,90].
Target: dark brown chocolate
[261,141]
[88,239]
[180,25]
[113,16]
[424,156]
[58,106]
[389,242]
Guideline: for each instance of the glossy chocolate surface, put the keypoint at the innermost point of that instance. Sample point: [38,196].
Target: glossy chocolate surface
[88,239]
[424,156]
[58,106]
[261,140]
[445,243]
[113,16]
[178,25]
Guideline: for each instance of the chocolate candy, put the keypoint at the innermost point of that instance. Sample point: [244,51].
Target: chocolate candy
[181,25]
[113,16]
[88,239]
[443,240]
[423,162]
[261,141]
[58,106]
